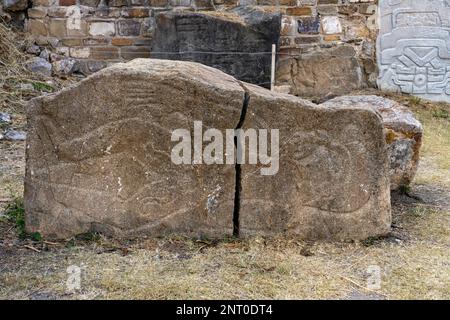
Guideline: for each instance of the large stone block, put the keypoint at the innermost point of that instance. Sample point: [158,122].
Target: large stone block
[99,159]
[414,48]
[403,134]
[322,73]
[103,29]
[333,178]
[99,153]
[237,42]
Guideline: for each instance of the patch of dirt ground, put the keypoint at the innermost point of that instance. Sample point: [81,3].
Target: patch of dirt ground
[413,262]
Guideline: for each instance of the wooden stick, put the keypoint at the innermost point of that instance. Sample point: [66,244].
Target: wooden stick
[272,71]
[32,248]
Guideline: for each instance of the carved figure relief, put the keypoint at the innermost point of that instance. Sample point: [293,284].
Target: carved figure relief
[414,48]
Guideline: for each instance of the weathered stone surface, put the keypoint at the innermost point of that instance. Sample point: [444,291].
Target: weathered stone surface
[5,117]
[15,5]
[25,87]
[102,29]
[99,153]
[101,161]
[40,66]
[333,178]
[413,48]
[211,38]
[319,74]
[403,134]
[33,49]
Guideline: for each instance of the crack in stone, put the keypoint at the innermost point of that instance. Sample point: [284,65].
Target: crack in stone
[238,170]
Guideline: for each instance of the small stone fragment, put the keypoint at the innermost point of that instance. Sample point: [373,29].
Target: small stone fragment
[25,87]
[34,49]
[14,135]
[39,66]
[99,159]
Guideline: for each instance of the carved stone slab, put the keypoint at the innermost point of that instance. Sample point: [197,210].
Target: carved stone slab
[414,48]
[99,153]
[333,178]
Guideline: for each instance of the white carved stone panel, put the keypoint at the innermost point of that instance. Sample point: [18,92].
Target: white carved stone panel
[414,47]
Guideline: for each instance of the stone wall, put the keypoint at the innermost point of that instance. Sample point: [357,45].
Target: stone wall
[319,38]
[327,47]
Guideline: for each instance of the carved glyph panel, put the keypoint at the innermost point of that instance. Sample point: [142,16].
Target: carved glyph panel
[414,48]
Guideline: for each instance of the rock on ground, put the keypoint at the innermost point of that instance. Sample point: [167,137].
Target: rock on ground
[322,74]
[39,66]
[15,5]
[333,179]
[403,135]
[33,49]
[99,159]
[211,38]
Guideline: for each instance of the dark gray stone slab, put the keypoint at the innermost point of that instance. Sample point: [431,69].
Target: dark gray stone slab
[218,39]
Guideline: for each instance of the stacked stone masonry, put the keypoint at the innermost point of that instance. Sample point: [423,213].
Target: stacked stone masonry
[100,32]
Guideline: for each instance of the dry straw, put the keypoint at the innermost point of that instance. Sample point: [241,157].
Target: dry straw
[13,73]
